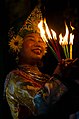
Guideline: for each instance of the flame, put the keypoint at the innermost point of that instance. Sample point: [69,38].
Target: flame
[71,39]
[61,39]
[66,35]
[54,34]
[71,27]
[71,35]
[46,35]
[47,30]
[64,39]
[42,31]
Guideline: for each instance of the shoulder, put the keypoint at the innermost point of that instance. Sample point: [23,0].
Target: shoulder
[16,77]
[12,77]
[14,74]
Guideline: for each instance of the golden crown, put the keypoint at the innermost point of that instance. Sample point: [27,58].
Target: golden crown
[30,25]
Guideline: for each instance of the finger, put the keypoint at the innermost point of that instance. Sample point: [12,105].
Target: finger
[47,87]
[51,86]
[71,62]
[74,60]
[68,60]
[62,62]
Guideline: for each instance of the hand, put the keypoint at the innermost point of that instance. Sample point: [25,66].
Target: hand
[67,62]
[49,87]
[64,64]
[67,72]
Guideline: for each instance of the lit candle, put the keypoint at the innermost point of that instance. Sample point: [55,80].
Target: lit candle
[66,40]
[56,44]
[43,35]
[42,31]
[70,51]
[62,43]
[71,43]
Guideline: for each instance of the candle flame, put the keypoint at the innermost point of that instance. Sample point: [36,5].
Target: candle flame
[42,31]
[47,30]
[46,35]
[71,39]
[54,34]
[71,27]
[64,39]
[61,39]
[66,35]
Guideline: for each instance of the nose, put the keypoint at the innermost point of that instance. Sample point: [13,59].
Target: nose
[39,40]
[38,43]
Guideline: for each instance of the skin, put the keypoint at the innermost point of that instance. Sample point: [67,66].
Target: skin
[33,49]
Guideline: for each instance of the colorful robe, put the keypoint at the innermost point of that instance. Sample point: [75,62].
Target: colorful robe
[26,94]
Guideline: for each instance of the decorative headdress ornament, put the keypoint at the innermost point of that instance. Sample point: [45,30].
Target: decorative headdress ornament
[30,25]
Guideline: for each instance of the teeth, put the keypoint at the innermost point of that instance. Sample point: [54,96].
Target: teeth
[37,51]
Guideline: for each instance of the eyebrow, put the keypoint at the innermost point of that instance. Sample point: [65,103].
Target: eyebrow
[30,36]
[33,37]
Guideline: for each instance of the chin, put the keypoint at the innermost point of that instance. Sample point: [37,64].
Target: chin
[37,58]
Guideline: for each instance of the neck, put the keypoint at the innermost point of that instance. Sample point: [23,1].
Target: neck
[30,67]
[32,62]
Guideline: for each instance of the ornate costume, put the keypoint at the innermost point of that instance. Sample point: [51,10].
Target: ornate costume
[25,92]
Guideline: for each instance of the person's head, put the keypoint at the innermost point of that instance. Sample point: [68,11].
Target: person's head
[27,42]
[33,48]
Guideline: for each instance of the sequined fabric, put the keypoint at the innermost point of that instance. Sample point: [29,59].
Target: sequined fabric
[25,92]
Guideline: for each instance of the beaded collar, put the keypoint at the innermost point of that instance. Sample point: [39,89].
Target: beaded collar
[34,72]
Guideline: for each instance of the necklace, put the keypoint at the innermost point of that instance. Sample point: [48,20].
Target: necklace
[33,72]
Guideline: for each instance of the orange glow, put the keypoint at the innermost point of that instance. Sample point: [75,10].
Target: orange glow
[61,42]
[71,27]
[71,43]
[71,39]
[64,39]
[66,35]
[47,30]
[42,31]
[54,34]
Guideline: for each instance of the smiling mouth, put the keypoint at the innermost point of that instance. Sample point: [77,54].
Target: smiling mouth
[37,51]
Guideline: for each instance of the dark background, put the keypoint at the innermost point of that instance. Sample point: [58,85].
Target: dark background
[56,12]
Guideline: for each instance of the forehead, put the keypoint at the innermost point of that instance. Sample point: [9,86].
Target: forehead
[32,35]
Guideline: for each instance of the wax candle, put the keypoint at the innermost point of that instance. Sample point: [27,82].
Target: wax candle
[71,43]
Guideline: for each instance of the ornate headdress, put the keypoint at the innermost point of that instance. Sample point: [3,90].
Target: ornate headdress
[30,25]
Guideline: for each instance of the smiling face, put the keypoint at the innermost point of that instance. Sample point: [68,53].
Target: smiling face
[33,49]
